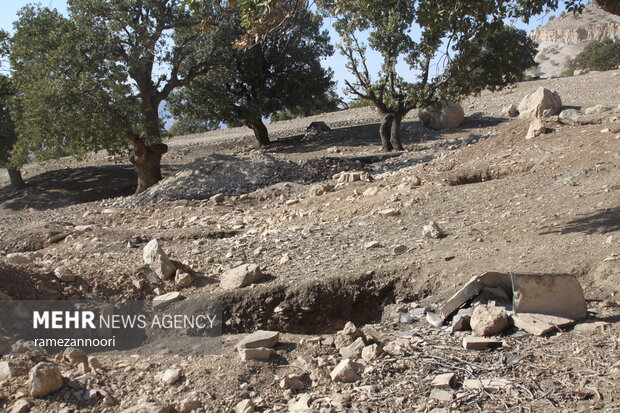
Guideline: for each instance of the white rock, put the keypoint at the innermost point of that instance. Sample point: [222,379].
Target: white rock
[346,371]
[64,274]
[21,406]
[537,127]
[245,406]
[45,378]
[7,370]
[165,299]
[432,230]
[541,103]
[390,212]
[372,244]
[353,350]
[183,279]
[18,258]
[596,109]
[155,257]
[511,111]
[240,276]
[258,353]
[260,338]
[447,115]
[171,376]
[371,352]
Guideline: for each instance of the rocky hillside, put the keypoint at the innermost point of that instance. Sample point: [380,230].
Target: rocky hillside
[563,38]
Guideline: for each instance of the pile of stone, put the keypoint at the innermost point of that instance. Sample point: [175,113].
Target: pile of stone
[492,303]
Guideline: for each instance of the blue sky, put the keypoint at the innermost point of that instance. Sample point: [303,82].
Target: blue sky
[9,9]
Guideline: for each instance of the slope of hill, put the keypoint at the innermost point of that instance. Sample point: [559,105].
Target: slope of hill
[562,39]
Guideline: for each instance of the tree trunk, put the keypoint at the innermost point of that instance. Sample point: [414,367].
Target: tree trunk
[15,175]
[260,131]
[385,130]
[395,133]
[147,160]
[611,6]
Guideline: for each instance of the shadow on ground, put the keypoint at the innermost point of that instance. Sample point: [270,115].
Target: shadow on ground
[63,187]
[600,222]
[368,135]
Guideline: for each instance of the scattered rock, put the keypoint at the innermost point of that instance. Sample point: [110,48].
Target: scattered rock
[75,355]
[539,104]
[390,212]
[346,371]
[460,323]
[21,406]
[189,405]
[64,274]
[155,257]
[163,300]
[432,230]
[245,406]
[345,177]
[7,370]
[596,109]
[258,353]
[540,324]
[183,279]
[480,343]
[149,407]
[400,249]
[300,405]
[171,376]
[488,320]
[218,198]
[490,385]
[371,352]
[444,381]
[537,128]
[94,363]
[45,378]
[260,338]
[441,395]
[434,319]
[445,115]
[372,244]
[18,258]
[511,111]
[572,114]
[241,276]
[353,350]
[293,382]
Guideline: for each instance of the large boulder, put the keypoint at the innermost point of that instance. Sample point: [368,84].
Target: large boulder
[539,104]
[446,115]
[155,257]
[240,276]
[45,378]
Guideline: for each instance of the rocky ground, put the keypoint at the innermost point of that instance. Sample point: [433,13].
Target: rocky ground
[337,232]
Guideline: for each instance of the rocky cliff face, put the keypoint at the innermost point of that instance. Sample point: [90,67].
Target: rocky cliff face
[564,38]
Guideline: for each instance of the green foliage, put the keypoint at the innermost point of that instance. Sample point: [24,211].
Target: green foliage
[284,72]
[95,79]
[187,126]
[468,41]
[603,55]
[359,103]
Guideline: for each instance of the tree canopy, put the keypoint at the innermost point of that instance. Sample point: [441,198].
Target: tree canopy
[603,55]
[282,72]
[95,79]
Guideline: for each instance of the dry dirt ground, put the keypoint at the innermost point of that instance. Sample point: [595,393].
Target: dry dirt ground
[549,204]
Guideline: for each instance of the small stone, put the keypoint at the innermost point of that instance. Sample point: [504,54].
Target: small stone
[372,191]
[300,405]
[64,274]
[148,407]
[260,338]
[183,279]
[109,401]
[45,378]
[94,363]
[432,230]
[444,381]
[8,369]
[350,329]
[293,382]
[259,353]
[537,127]
[240,276]
[155,257]
[139,284]
[447,257]
[333,149]
[489,385]
[75,355]
[416,181]
[218,198]
[460,323]
[511,111]
[171,376]
[346,371]
[372,244]
[353,350]
[441,395]
[163,300]
[390,212]
[21,406]
[189,405]
[480,343]
[291,202]
[399,249]
[18,258]
[434,319]
[487,320]
[371,352]
[606,130]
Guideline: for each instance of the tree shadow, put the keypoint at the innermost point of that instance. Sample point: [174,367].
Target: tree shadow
[601,222]
[64,187]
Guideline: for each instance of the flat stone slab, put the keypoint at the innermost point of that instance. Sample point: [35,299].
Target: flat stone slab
[259,353]
[480,343]
[540,324]
[259,338]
